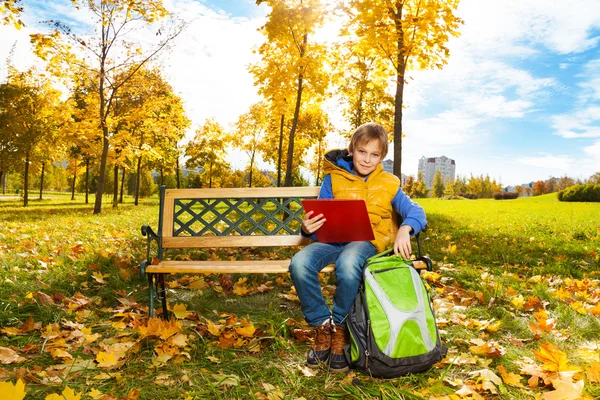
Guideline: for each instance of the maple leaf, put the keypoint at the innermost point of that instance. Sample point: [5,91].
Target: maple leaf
[490,349]
[67,394]
[180,311]
[246,330]
[487,380]
[12,392]
[99,277]
[106,360]
[552,358]
[510,378]
[565,390]
[593,372]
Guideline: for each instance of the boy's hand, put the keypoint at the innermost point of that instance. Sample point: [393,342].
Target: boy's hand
[402,242]
[311,225]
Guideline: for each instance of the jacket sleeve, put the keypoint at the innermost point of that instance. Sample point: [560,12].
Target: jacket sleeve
[325,193]
[412,214]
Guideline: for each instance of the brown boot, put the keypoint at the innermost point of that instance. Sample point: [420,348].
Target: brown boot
[321,348]
[337,360]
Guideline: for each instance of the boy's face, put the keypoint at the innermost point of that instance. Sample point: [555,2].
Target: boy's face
[366,156]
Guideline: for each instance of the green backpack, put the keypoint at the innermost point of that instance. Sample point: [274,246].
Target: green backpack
[391,322]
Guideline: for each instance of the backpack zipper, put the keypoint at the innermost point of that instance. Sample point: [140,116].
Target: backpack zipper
[367,354]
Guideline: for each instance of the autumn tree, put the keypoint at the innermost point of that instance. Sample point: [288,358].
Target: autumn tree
[207,150]
[33,112]
[420,188]
[595,179]
[250,131]
[362,77]
[408,34]
[149,121]
[10,11]
[539,188]
[291,64]
[438,184]
[107,53]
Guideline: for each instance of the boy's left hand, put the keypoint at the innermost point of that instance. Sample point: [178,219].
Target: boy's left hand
[402,242]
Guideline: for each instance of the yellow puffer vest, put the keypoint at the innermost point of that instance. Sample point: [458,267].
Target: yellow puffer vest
[378,191]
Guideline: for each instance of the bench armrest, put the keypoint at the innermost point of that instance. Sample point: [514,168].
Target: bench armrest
[151,235]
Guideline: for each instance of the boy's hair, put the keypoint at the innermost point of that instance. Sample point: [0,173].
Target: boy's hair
[368,132]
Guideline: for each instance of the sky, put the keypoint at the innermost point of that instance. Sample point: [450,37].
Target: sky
[519,99]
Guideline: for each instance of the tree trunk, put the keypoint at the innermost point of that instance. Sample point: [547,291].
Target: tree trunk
[73,183]
[251,167]
[3,181]
[280,151]
[26,182]
[115,186]
[122,184]
[399,98]
[102,173]
[87,180]
[137,181]
[210,175]
[177,172]
[42,179]
[290,155]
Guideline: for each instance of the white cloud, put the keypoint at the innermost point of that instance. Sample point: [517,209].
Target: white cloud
[549,162]
[580,124]
[515,27]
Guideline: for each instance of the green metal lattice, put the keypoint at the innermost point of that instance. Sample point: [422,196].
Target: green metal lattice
[224,217]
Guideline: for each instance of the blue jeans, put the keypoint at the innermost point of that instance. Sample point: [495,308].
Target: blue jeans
[349,259]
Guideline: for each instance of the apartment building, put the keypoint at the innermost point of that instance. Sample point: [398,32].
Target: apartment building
[429,165]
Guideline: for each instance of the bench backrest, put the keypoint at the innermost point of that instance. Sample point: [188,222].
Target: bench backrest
[232,217]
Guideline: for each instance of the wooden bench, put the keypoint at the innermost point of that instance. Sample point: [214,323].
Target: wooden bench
[226,218]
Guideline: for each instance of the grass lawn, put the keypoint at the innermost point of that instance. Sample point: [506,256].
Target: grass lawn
[515,286]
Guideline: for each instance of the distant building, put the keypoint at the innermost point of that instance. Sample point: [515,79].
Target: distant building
[388,166]
[526,189]
[429,165]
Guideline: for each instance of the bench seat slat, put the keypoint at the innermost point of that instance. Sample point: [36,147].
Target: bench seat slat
[224,267]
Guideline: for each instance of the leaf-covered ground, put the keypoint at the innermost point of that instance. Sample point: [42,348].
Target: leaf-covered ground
[516,291]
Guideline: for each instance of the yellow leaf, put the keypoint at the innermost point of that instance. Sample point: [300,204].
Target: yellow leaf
[67,394]
[452,249]
[106,360]
[593,372]
[95,394]
[510,378]
[246,330]
[12,392]
[180,311]
[553,359]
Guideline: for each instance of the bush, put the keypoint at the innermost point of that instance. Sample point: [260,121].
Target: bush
[588,192]
[506,195]
[470,196]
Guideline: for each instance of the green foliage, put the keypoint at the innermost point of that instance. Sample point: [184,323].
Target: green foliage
[438,184]
[585,192]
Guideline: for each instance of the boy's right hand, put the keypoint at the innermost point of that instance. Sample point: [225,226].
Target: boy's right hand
[311,225]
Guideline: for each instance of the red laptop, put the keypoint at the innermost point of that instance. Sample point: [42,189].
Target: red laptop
[347,220]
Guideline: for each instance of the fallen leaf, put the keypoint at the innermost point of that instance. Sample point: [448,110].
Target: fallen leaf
[180,311]
[9,356]
[510,378]
[12,392]
[565,390]
[221,379]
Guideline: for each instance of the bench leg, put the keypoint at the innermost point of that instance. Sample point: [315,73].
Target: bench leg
[151,295]
[162,295]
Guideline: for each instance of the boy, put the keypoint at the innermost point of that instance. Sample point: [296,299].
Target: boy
[355,173]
